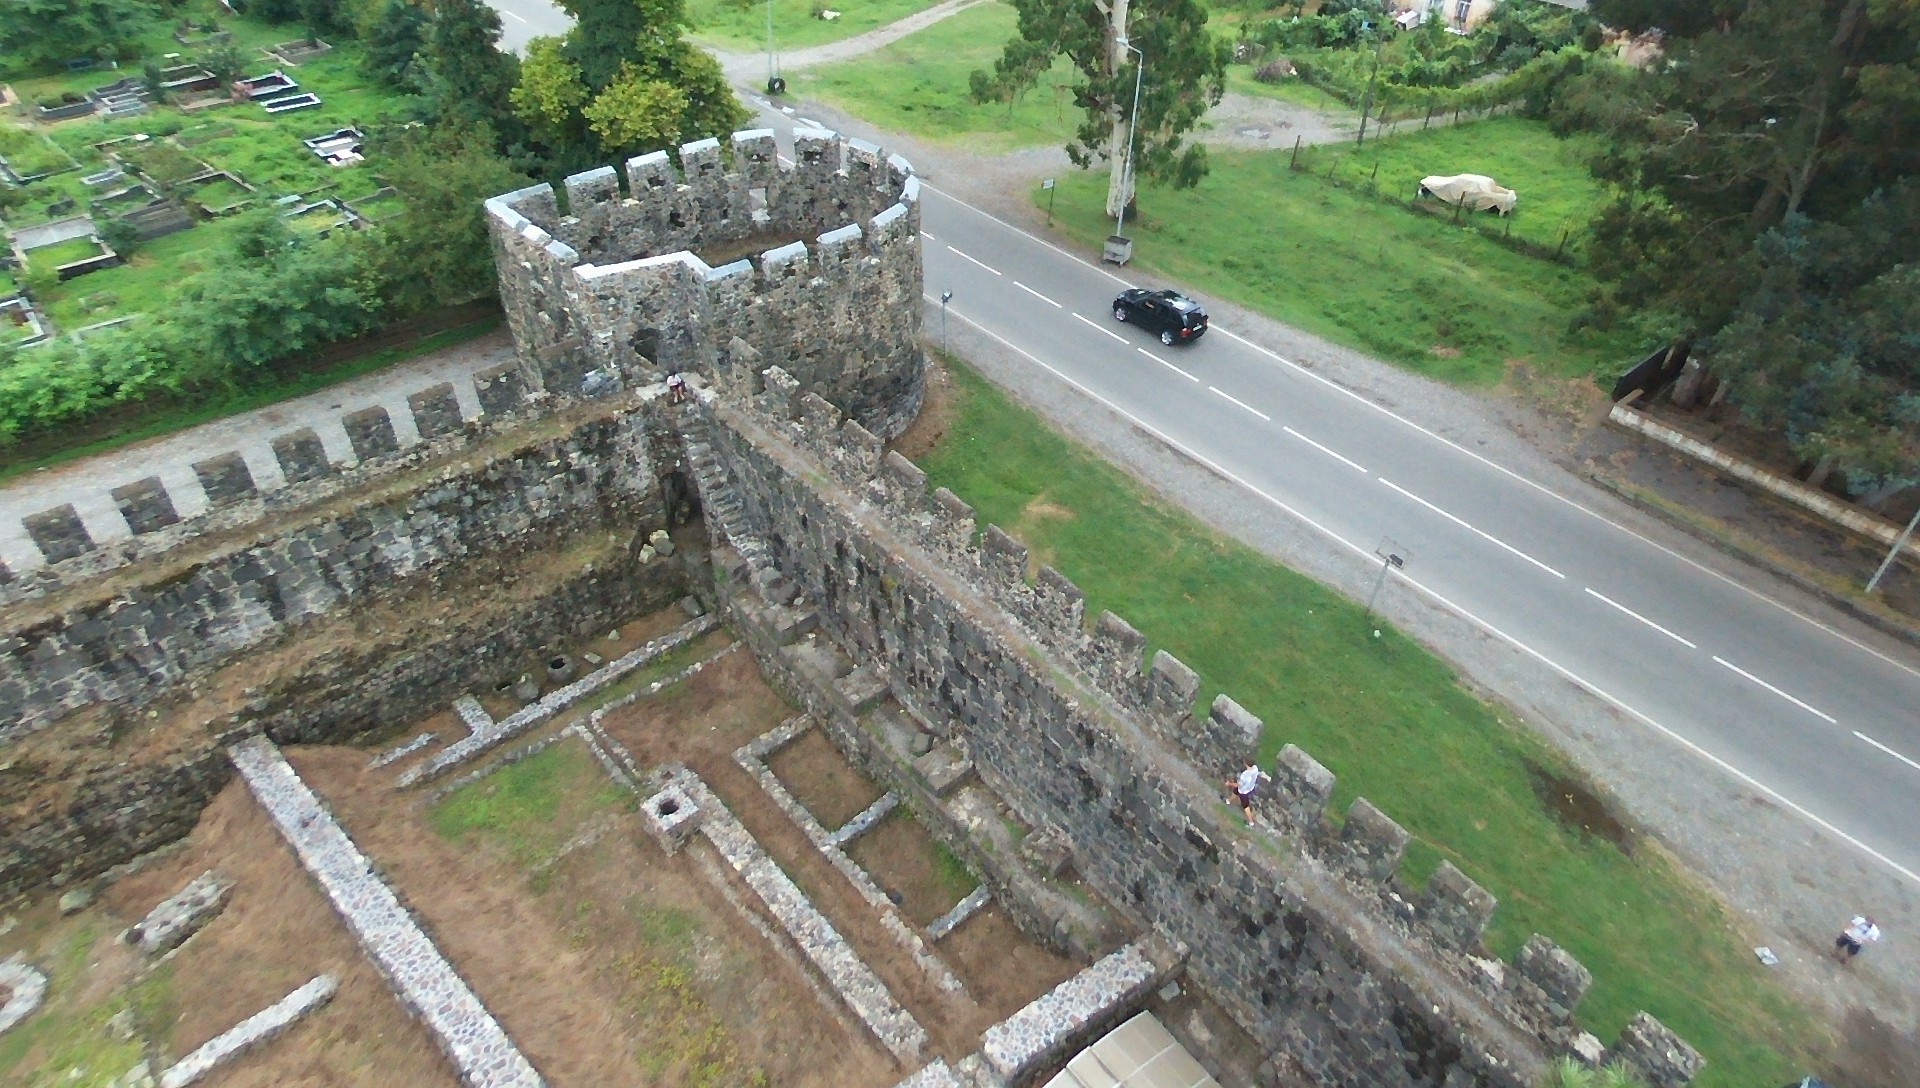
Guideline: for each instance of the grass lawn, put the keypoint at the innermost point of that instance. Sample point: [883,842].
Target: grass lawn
[1411,289]
[1557,194]
[1295,91]
[59,253]
[1395,725]
[919,85]
[530,808]
[28,153]
[740,26]
[144,284]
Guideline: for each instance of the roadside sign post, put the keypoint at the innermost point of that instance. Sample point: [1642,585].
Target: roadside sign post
[1051,193]
[1391,559]
[945,297]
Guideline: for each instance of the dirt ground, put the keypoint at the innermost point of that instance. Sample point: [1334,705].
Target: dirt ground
[701,723]
[822,780]
[904,860]
[276,933]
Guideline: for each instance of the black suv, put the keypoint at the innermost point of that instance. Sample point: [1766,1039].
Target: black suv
[1177,318]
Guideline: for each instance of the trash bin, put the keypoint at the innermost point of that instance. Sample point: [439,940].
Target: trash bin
[1119,249]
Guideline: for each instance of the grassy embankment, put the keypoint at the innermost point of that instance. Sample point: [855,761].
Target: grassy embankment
[1396,726]
[1348,262]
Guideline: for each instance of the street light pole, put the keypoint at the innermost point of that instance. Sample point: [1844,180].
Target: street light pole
[1133,124]
[1905,536]
[774,85]
[945,297]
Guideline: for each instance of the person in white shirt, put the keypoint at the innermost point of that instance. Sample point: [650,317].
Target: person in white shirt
[1860,932]
[1245,785]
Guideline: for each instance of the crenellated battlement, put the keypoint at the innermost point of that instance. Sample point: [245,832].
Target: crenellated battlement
[855,551]
[814,263]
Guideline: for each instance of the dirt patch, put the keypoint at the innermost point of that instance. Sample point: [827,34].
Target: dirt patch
[1875,1055]
[1579,809]
[915,872]
[605,960]
[1002,969]
[929,428]
[1443,351]
[822,780]
[276,933]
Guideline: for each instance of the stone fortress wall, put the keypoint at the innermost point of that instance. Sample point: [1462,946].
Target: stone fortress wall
[345,604]
[1306,937]
[628,284]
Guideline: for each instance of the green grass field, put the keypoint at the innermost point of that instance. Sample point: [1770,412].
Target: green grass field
[919,85]
[740,26]
[1558,196]
[1298,92]
[528,809]
[1395,725]
[1412,289]
[59,253]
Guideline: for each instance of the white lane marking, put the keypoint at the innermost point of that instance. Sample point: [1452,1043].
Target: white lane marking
[1591,592]
[1424,503]
[1816,713]
[1390,414]
[1367,555]
[1481,533]
[1236,402]
[1092,325]
[975,260]
[928,237]
[1322,449]
[1031,291]
[1889,751]
[1170,366]
[509,14]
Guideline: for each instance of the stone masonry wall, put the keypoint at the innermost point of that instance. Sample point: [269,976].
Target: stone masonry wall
[616,283]
[1302,940]
[132,636]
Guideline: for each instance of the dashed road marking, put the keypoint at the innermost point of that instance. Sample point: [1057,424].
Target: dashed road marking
[1828,718]
[1231,399]
[1032,292]
[1100,327]
[1591,592]
[975,260]
[1323,449]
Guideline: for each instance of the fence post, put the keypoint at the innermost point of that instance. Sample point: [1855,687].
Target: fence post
[1562,247]
[1428,123]
[1295,163]
[1373,178]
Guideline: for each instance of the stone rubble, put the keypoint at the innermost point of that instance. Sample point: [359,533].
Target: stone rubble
[865,821]
[975,901]
[426,984]
[25,987]
[402,751]
[251,1032]
[829,952]
[472,714]
[181,915]
[1063,1016]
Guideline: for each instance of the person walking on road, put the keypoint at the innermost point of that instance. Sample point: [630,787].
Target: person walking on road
[1860,932]
[1246,785]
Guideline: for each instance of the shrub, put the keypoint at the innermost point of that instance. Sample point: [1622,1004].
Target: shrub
[1277,70]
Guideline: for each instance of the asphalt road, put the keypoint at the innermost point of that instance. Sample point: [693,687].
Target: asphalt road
[1819,720]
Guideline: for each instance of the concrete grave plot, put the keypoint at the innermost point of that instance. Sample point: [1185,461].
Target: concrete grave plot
[111,1005]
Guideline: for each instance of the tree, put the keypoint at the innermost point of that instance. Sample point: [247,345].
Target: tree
[469,78]
[436,252]
[394,37]
[44,33]
[1185,74]
[636,113]
[1764,157]
[550,93]
[623,80]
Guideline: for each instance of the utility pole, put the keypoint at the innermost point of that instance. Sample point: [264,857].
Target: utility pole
[1133,123]
[1119,139]
[1366,106]
[1905,535]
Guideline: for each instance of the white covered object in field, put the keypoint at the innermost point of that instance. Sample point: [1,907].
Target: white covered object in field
[1476,191]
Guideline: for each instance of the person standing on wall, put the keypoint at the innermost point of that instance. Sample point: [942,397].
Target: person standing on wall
[1245,785]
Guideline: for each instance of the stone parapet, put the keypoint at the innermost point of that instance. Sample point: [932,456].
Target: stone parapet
[1318,951]
[621,284]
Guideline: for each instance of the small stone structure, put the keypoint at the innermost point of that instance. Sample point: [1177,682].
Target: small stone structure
[259,1028]
[181,915]
[1073,1011]
[25,987]
[618,283]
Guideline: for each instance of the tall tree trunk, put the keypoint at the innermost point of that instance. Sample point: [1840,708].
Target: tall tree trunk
[1120,182]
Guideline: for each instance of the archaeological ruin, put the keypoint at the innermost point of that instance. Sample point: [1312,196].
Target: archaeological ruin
[585,560]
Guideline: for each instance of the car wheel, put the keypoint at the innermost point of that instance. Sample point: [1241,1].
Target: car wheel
[1119,313]
[1166,337]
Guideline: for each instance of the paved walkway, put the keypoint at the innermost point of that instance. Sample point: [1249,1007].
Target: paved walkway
[88,484]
